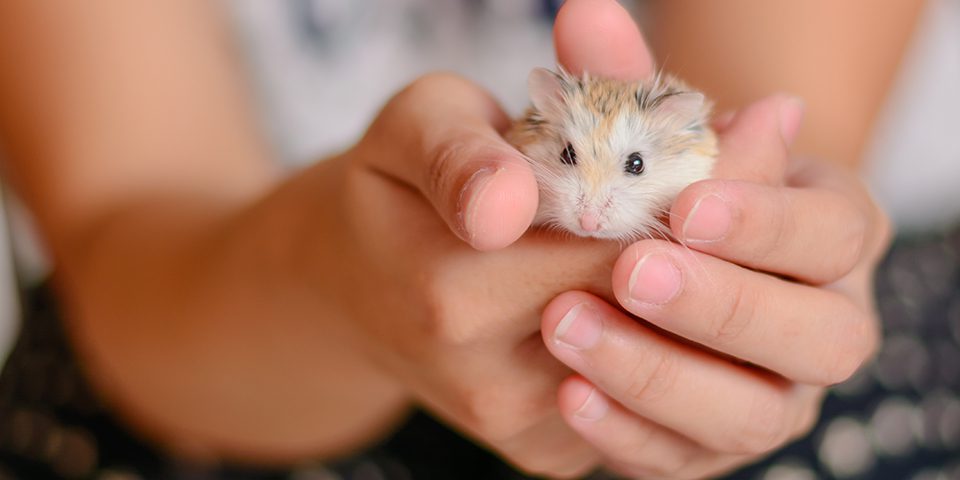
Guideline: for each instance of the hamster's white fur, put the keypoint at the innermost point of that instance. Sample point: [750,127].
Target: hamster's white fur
[584,135]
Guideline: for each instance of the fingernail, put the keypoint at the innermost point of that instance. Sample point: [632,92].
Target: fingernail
[593,408]
[708,220]
[471,197]
[579,329]
[791,113]
[655,280]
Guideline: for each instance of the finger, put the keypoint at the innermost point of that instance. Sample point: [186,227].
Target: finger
[636,445]
[440,135]
[807,334]
[753,146]
[600,37]
[639,448]
[806,172]
[814,235]
[658,378]
[550,449]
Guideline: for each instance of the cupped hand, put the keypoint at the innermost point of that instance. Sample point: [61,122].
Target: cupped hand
[430,184]
[458,328]
[729,338]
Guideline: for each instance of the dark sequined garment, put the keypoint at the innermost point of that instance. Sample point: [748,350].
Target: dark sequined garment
[899,418]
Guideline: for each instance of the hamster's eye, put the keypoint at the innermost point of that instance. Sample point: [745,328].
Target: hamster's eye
[634,165]
[568,156]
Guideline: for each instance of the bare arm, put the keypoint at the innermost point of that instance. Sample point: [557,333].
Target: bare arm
[839,57]
[111,100]
[129,134]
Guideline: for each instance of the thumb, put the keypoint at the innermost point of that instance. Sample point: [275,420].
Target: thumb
[441,135]
[600,37]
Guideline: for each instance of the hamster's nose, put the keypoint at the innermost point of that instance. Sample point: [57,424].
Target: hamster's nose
[590,220]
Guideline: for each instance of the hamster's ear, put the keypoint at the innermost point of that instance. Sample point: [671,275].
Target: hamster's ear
[546,90]
[690,105]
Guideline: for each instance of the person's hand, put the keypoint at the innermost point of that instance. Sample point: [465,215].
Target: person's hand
[429,199]
[767,301]
[457,327]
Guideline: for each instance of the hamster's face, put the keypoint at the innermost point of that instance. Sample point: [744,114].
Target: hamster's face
[610,157]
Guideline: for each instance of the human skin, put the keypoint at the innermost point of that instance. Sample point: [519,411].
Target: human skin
[228,311]
[840,57]
[809,223]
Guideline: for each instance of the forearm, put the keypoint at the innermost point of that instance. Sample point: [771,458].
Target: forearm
[112,101]
[178,248]
[204,327]
[839,57]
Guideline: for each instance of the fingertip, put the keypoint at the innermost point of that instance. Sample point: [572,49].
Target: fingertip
[687,197]
[600,37]
[558,308]
[623,269]
[572,393]
[686,204]
[499,205]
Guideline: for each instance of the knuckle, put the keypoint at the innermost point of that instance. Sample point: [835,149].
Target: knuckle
[780,225]
[483,413]
[855,343]
[849,252]
[623,450]
[731,323]
[444,320]
[569,458]
[764,429]
[807,420]
[849,249]
[429,84]
[880,234]
[675,465]
[401,122]
[651,377]
[497,414]
[883,226]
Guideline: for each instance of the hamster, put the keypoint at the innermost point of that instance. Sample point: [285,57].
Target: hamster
[610,156]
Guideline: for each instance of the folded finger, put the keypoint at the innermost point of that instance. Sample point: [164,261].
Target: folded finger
[814,235]
[636,445]
[659,378]
[753,143]
[807,334]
